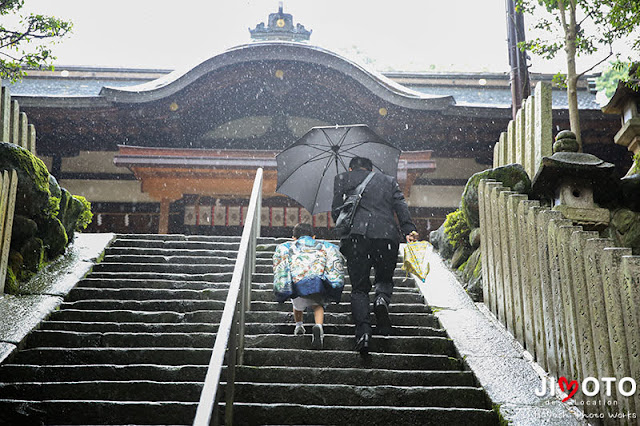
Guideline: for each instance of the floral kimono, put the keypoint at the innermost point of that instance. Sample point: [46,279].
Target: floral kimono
[305,267]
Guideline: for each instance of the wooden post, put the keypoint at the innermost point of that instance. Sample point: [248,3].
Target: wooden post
[163,226]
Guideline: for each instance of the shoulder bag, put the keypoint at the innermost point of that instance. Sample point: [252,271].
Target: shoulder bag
[348,209]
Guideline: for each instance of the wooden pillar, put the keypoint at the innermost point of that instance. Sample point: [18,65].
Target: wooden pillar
[163,226]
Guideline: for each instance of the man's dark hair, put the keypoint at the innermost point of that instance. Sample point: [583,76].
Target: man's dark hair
[360,163]
[302,229]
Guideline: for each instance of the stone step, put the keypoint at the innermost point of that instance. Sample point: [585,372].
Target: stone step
[339,307]
[76,339]
[150,251]
[124,293]
[104,390]
[213,277]
[168,268]
[87,412]
[266,295]
[354,376]
[133,327]
[222,282]
[71,373]
[188,259]
[175,244]
[178,305]
[383,344]
[258,414]
[136,316]
[182,237]
[119,356]
[207,316]
[350,395]
[330,359]
[250,328]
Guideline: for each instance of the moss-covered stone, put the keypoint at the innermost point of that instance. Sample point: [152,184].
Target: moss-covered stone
[23,228]
[456,228]
[77,215]
[513,176]
[33,179]
[54,237]
[474,238]
[441,242]
[33,254]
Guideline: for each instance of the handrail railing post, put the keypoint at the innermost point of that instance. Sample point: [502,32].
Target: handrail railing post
[232,324]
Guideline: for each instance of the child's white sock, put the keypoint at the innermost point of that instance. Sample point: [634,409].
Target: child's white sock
[299,323]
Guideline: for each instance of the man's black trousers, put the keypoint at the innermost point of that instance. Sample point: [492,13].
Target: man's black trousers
[362,254]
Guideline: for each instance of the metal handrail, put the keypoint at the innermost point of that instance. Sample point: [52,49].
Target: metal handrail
[231,330]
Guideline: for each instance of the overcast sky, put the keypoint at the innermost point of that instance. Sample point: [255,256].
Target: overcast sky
[411,35]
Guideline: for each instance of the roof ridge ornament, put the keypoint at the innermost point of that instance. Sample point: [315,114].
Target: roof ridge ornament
[280,27]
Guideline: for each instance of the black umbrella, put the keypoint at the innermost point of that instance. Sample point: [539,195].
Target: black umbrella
[306,169]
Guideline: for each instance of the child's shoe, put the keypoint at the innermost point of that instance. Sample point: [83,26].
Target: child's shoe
[317,340]
[299,330]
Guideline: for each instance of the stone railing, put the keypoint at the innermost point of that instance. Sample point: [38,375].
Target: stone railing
[568,296]
[15,126]
[529,137]
[8,190]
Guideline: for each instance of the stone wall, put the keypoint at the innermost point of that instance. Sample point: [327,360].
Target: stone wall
[568,295]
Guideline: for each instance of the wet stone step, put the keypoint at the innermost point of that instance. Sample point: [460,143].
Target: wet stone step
[260,414]
[143,251]
[121,356]
[70,373]
[220,277]
[342,359]
[75,339]
[180,237]
[267,277]
[131,283]
[415,319]
[86,412]
[185,245]
[136,316]
[146,305]
[354,376]
[339,395]
[343,329]
[83,293]
[266,295]
[130,327]
[161,268]
[172,259]
[161,280]
[134,390]
[341,307]
[379,344]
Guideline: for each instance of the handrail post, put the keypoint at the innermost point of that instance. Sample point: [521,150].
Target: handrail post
[230,336]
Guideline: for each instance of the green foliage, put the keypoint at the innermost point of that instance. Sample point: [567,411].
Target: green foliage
[86,216]
[456,228]
[26,43]
[54,206]
[635,168]
[608,80]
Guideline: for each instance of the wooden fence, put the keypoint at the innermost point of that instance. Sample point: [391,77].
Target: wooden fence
[15,129]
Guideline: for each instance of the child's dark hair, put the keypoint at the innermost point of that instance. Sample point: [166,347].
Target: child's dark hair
[303,229]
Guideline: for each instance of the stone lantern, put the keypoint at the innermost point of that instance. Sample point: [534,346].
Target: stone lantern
[568,179]
[626,103]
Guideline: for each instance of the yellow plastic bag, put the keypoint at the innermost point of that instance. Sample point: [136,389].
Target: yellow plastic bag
[415,259]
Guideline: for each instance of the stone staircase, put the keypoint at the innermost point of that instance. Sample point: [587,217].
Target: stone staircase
[131,344]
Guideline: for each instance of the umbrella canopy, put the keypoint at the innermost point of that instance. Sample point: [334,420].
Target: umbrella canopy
[306,169]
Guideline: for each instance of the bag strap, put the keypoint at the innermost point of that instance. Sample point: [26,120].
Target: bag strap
[360,188]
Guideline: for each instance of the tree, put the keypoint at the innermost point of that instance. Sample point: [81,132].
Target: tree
[25,44]
[580,27]
[607,82]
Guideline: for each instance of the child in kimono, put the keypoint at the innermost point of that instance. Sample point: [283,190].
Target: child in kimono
[310,273]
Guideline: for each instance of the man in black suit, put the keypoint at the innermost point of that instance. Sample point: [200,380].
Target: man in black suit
[373,241]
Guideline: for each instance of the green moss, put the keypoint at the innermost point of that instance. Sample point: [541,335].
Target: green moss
[456,228]
[463,266]
[501,420]
[54,206]
[86,216]
[635,168]
[477,271]
[33,166]
[11,282]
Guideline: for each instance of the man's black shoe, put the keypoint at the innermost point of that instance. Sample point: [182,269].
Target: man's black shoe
[383,323]
[362,345]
